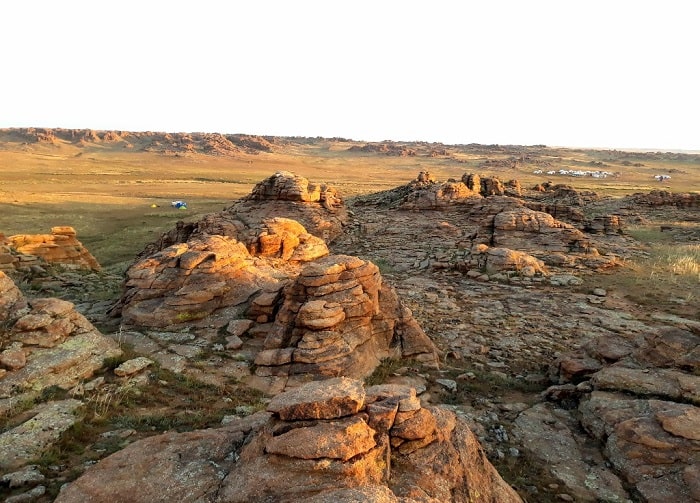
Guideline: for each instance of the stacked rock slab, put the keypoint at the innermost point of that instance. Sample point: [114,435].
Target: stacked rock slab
[337,318]
[43,343]
[59,247]
[11,260]
[321,442]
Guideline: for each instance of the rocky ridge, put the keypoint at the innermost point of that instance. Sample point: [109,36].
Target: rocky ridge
[172,144]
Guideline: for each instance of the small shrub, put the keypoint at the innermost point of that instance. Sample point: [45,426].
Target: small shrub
[386,368]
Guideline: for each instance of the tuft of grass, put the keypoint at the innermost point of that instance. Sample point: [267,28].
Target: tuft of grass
[386,368]
[666,276]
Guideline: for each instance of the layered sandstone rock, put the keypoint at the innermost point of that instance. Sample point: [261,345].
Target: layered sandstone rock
[428,195]
[338,318]
[335,442]
[192,280]
[59,247]
[667,198]
[483,236]
[43,343]
[497,260]
[301,313]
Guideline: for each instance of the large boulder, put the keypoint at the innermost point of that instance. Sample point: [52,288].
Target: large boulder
[315,451]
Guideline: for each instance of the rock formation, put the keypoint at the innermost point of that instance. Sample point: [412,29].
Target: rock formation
[281,197]
[667,198]
[59,247]
[308,315]
[638,393]
[322,442]
[43,343]
[189,281]
[337,318]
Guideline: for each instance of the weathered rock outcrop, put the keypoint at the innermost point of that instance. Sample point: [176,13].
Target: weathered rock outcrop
[330,441]
[43,343]
[496,260]
[496,235]
[653,444]
[638,394]
[190,281]
[425,193]
[318,207]
[269,210]
[59,247]
[667,198]
[337,318]
[300,313]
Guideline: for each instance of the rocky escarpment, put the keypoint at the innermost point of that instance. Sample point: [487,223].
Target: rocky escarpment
[173,144]
[330,441]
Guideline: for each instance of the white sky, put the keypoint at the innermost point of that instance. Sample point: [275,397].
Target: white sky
[612,73]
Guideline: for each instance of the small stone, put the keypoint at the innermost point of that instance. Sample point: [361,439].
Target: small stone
[564,497]
[233,342]
[132,367]
[409,404]
[13,358]
[599,292]
[32,495]
[447,383]
[27,475]
[94,384]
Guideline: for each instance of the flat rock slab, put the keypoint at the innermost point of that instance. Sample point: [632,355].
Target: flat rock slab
[329,399]
[343,439]
[30,439]
[546,437]
[133,366]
